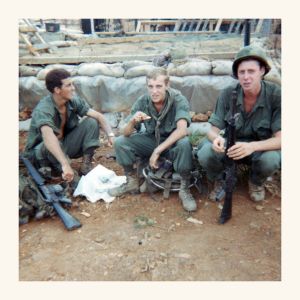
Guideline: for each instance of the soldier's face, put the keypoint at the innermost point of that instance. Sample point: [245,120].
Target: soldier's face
[66,91]
[157,89]
[250,74]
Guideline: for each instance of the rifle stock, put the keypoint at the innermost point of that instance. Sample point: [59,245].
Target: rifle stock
[50,197]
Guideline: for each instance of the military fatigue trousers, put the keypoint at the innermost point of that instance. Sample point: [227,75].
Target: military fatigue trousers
[262,164]
[142,145]
[74,144]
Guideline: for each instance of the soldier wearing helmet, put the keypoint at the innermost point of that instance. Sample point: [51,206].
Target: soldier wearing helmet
[258,128]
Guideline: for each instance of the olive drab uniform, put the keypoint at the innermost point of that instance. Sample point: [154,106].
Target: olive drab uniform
[259,124]
[78,135]
[154,131]
[149,135]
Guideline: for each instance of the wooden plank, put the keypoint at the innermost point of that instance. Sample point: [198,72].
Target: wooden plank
[26,29]
[138,26]
[239,23]
[28,44]
[111,58]
[231,26]
[158,22]
[205,25]
[219,23]
[177,25]
[259,25]
[183,26]
[198,25]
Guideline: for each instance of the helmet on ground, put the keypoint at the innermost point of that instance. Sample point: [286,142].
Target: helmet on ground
[254,52]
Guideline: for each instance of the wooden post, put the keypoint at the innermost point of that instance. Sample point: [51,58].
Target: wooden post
[219,23]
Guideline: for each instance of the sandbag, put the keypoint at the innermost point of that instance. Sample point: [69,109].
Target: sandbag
[273,76]
[134,63]
[138,71]
[42,74]
[28,71]
[191,68]
[94,69]
[221,67]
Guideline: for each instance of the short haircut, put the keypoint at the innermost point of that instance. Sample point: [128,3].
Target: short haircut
[153,74]
[54,78]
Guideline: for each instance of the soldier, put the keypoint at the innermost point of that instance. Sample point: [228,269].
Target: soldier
[258,128]
[55,132]
[165,115]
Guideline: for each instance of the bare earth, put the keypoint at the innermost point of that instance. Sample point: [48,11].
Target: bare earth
[110,247]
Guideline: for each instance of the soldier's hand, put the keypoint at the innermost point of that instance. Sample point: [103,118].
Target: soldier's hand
[218,144]
[153,161]
[240,150]
[139,116]
[111,141]
[68,173]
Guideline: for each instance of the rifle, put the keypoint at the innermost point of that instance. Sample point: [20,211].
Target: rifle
[50,195]
[230,166]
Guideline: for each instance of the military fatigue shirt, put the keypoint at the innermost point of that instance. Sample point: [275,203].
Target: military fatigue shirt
[177,108]
[261,123]
[46,113]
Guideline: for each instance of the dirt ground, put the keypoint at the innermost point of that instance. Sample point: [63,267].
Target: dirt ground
[110,247]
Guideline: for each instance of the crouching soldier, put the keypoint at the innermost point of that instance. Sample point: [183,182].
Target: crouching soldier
[55,132]
[258,127]
[165,115]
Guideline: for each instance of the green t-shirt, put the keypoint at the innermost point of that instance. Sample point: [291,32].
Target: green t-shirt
[178,108]
[261,123]
[46,113]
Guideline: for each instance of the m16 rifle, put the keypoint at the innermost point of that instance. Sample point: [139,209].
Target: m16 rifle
[51,197]
[230,166]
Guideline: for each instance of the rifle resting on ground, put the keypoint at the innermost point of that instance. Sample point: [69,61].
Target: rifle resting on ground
[50,196]
[230,165]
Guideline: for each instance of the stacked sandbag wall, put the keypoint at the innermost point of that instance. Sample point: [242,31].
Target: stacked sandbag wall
[114,88]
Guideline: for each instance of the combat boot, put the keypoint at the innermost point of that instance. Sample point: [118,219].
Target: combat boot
[187,200]
[257,192]
[87,165]
[218,193]
[130,186]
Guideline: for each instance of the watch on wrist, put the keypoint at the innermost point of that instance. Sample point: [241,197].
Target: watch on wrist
[111,134]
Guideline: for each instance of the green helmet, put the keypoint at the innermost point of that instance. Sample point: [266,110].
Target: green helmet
[254,52]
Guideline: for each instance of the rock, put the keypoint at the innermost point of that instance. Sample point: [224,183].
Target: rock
[183,255]
[259,207]
[254,226]
[195,221]
[158,236]
[85,214]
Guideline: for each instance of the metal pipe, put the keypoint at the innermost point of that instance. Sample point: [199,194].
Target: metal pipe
[247,32]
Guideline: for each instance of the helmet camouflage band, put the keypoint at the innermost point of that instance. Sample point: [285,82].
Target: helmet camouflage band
[247,52]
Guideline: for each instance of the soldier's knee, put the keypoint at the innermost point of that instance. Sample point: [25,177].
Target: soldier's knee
[269,161]
[205,153]
[184,144]
[91,123]
[119,142]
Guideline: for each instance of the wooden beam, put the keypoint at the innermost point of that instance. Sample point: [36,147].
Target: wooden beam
[44,60]
[219,23]
[198,25]
[259,25]
[143,36]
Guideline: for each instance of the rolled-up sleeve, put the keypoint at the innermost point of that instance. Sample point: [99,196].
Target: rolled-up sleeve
[218,116]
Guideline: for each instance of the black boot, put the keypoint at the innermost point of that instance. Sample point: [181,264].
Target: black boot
[87,165]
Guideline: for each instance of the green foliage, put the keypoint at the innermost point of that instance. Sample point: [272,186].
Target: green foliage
[196,137]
